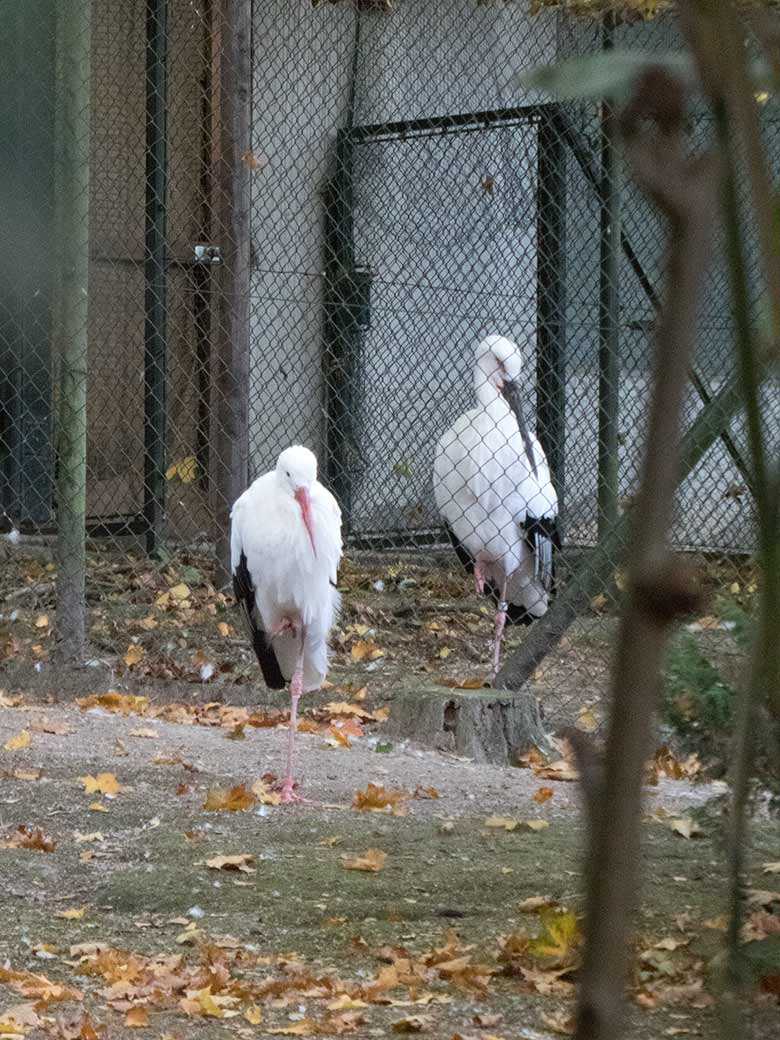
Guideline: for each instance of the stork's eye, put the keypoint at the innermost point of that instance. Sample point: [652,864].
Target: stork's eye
[288,473]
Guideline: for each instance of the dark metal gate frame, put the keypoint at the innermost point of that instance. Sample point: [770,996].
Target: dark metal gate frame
[347,295]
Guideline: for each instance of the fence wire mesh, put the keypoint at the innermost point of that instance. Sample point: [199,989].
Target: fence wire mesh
[406,199]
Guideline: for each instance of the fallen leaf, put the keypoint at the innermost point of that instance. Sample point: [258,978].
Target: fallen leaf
[534,903]
[185,469]
[137,1018]
[224,630]
[505,823]
[412,1024]
[59,729]
[103,783]
[372,860]
[562,769]
[243,862]
[376,798]
[21,740]
[343,1002]
[27,774]
[119,703]
[28,838]
[334,839]
[559,938]
[149,734]
[134,654]
[305,1027]
[232,799]
[98,807]
[73,914]
[42,621]
[543,795]
[180,592]
[237,732]
[685,826]
[364,649]
[561,1022]
[253,1015]
[426,792]
[264,794]
[770,868]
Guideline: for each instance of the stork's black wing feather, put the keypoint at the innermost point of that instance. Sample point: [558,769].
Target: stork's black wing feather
[516,613]
[245,597]
[465,557]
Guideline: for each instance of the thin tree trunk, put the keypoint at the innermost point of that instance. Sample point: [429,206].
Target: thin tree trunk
[659,588]
[231,361]
[73,106]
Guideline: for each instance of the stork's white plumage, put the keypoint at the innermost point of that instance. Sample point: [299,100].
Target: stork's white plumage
[285,542]
[492,486]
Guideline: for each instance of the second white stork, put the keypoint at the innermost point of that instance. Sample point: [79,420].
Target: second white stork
[493,490]
[285,542]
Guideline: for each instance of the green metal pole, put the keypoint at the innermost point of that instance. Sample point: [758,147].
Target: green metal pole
[609,312]
[71,313]
[155,302]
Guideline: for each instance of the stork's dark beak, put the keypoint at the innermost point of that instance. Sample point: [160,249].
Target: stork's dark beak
[511,394]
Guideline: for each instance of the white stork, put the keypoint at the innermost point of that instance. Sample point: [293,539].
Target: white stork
[493,490]
[285,544]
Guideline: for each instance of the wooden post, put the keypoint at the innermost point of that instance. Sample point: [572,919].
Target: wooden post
[232,201]
[71,313]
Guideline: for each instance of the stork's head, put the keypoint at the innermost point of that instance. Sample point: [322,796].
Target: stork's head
[499,366]
[296,471]
[498,361]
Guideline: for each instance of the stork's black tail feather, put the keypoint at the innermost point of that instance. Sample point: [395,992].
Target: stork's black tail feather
[245,597]
[536,529]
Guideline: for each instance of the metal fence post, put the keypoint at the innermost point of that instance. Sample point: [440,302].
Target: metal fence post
[155,275]
[233,201]
[551,297]
[72,136]
[609,311]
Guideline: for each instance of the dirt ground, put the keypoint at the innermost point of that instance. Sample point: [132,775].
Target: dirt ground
[155,887]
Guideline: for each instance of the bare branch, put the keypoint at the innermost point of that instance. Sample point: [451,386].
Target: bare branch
[658,587]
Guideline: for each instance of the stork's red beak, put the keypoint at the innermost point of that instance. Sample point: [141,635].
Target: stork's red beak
[303,500]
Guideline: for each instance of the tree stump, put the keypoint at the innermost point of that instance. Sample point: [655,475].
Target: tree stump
[486,725]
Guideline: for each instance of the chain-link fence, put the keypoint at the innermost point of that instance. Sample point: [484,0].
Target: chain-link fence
[406,198]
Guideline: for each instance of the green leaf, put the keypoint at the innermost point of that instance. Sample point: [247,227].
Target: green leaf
[384,747]
[611,74]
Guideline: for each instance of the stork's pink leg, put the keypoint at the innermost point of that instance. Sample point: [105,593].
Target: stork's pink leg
[296,689]
[479,577]
[503,606]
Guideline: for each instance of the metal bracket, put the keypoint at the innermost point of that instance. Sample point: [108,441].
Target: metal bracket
[206,254]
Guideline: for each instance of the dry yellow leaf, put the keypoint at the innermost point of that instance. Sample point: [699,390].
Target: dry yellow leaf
[365,649]
[543,795]
[148,623]
[42,621]
[27,774]
[180,592]
[73,914]
[224,629]
[134,654]
[21,740]
[306,1027]
[372,860]
[98,807]
[376,798]
[185,469]
[121,703]
[232,799]
[343,1002]
[103,783]
[149,734]
[243,862]
[253,1015]
[137,1018]
[264,794]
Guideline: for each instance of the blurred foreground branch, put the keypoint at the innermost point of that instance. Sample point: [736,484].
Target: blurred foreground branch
[659,588]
